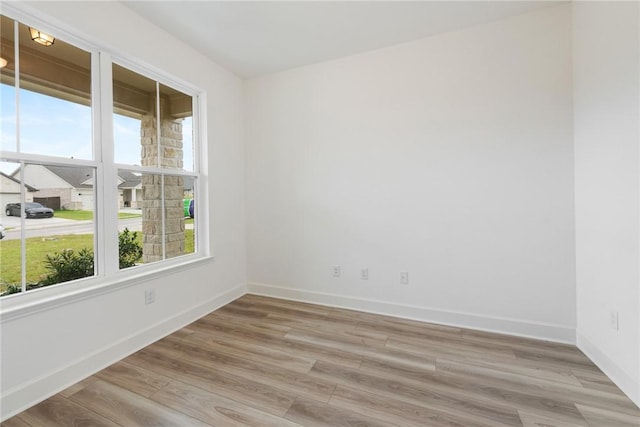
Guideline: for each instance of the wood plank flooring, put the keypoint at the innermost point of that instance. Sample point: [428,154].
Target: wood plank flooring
[262,361]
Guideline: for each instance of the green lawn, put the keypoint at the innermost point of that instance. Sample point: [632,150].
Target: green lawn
[87,215]
[125,215]
[39,247]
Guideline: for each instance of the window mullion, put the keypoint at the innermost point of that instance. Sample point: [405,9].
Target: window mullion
[160,165]
[16,80]
[106,193]
[23,232]
[201,190]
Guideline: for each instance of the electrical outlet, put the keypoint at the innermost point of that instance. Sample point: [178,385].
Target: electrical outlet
[335,271]
[364,274]
[149,296]
[404,278]
[614,320]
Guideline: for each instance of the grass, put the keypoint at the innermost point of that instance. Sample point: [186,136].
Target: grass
[189,241]
[125,215]
[37,250]
[39,247]
[88,215]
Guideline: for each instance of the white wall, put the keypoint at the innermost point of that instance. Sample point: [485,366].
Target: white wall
[449,157]
[607,180]
[44,351]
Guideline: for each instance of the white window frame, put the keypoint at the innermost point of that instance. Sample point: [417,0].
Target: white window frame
[108,277]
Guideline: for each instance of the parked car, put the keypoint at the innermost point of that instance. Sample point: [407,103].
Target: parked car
[33,210]
[1,231]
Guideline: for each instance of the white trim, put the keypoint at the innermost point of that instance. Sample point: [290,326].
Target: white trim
[516,327]
[16,79]
[626,383]
[153,170]
[201,166]
[15,306]
[97,177]
[23,397]
[32,158]
[106,194]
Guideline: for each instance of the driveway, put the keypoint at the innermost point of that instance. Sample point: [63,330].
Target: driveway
[14,221]
[31,223]
[36,227]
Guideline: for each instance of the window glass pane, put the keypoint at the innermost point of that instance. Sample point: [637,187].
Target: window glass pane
[159,209]
[55,98]
[152,224]
[126,136]
[173,215]
[10,248]
[134,201]
[190,223]
[7,118]
[176,139]
[7,88]
[129,218]
[187,144]
[60,248]
[179,210]
[59,226]
[134,104]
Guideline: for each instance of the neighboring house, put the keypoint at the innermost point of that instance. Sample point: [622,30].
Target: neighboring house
[188,187]
[130,189]
[69,188]
[10,190]
[61,187]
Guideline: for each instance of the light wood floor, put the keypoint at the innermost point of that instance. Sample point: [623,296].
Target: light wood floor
[267,362]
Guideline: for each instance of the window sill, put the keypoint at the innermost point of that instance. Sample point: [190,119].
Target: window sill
[16,306]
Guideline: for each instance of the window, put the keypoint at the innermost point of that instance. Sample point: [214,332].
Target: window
[150,160]
[89,190]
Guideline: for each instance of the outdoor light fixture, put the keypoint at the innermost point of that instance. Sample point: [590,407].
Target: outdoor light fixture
[40,37]
[3,62]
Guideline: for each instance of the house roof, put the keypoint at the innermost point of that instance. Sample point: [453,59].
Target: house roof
[76,177]
[81,177]
[133,179]
[130,179]
[17,181]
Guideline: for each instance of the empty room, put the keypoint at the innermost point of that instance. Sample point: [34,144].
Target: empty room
[320,213]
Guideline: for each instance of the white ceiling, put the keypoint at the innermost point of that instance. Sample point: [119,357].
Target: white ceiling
[252,38]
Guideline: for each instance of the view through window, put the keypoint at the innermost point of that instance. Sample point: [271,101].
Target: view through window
[54,168]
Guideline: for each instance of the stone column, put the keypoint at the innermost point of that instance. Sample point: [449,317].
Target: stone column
[170,149]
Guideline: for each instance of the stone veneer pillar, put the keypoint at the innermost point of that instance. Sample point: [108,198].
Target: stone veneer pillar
[170,158]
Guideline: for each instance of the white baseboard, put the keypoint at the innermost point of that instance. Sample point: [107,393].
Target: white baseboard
[544,331]
[21,398]
[629,385]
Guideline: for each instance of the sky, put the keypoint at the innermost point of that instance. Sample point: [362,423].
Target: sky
[55,127]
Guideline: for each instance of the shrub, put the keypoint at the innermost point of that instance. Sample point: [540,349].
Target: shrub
[68,265]
[14,288]
[130,250]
